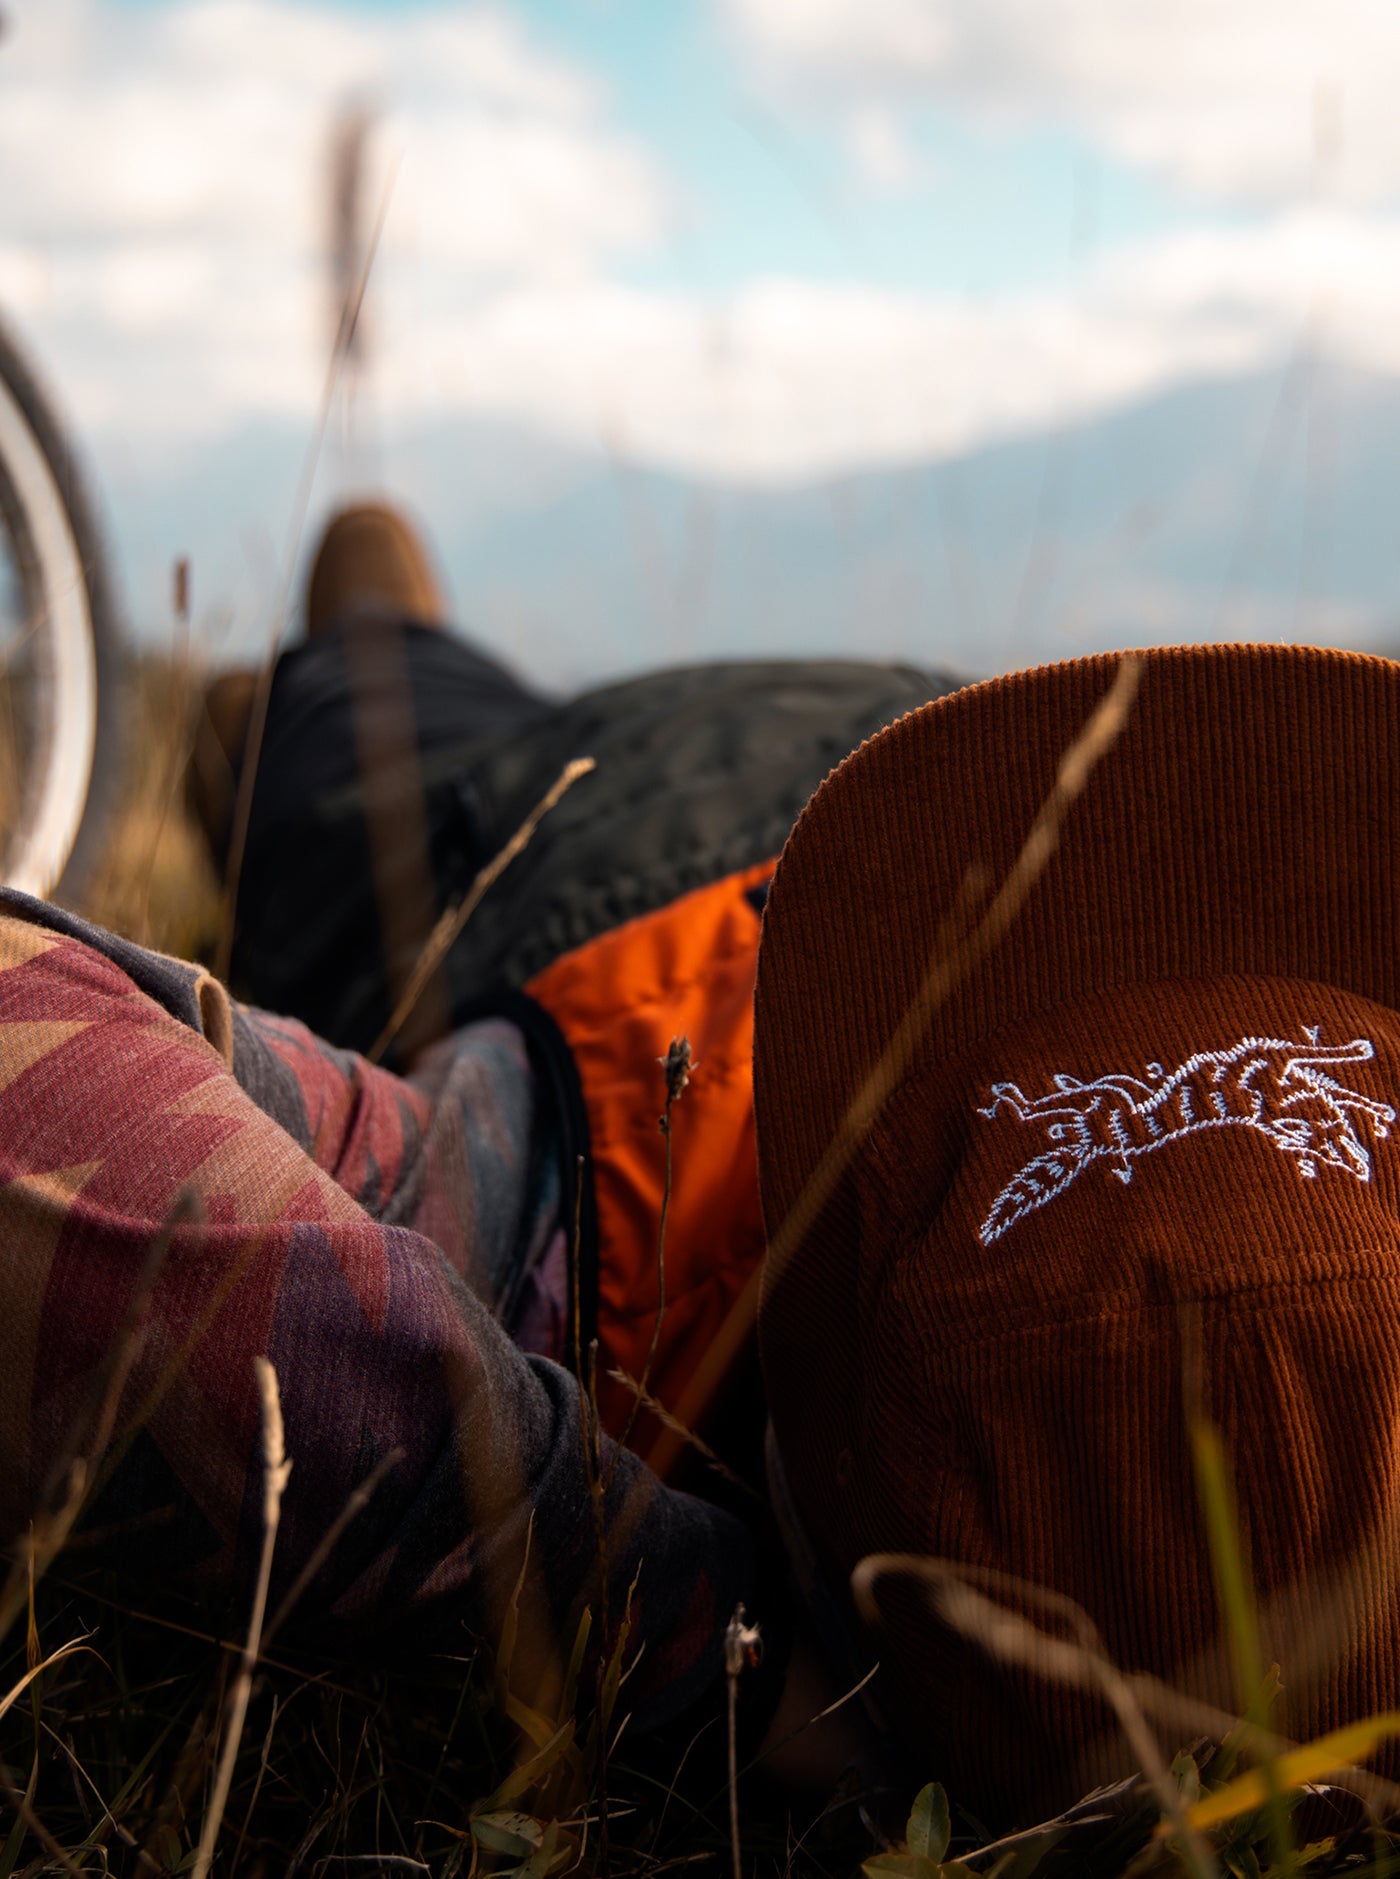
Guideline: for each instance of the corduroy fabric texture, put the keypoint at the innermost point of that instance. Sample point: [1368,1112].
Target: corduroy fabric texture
[1161,1111]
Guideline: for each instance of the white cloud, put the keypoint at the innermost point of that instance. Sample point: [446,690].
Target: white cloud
[161,241]
[790,380]
[869,42]
[882,151]
[1250,99]
[162,191]
[203,126]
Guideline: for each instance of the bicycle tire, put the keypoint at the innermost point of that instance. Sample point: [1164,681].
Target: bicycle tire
[65,587]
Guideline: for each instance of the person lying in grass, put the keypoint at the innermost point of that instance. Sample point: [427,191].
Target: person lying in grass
[408,1247]
[1072,1083]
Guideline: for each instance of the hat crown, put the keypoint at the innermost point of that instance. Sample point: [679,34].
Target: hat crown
[1170,1085]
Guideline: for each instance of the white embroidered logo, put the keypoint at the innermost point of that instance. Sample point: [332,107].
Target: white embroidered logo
[1265,1083]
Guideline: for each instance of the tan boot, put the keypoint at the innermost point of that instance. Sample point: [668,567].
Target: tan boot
[371,560]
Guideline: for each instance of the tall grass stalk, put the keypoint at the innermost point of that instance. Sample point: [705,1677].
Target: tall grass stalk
[276,1469]
[1216,1494]
[1007,1637]
[677,1065]
[452,924]
[252,750]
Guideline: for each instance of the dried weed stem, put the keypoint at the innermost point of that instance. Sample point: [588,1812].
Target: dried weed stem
[257,723]
[80,1475]
[276,1469]
[449,927]
[677,1065]
[687,1435]
[948,969]
[359,1498]
[1007,1636]
[743,1646]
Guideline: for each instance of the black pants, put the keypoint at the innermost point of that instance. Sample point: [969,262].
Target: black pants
[398,761]
[363,822]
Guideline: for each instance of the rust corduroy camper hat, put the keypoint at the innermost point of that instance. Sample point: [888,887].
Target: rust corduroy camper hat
[1158,1113]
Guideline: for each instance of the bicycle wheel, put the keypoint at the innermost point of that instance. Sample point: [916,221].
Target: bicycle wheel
[58,649]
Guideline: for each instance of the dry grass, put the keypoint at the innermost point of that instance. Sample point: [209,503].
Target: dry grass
[117,1755]
[156,884]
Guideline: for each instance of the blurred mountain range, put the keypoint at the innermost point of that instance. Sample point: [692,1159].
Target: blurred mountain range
[1265,507]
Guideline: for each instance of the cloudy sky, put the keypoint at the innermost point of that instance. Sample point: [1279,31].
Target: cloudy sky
[756,244]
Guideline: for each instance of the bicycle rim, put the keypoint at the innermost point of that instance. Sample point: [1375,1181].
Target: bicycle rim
[48,658]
